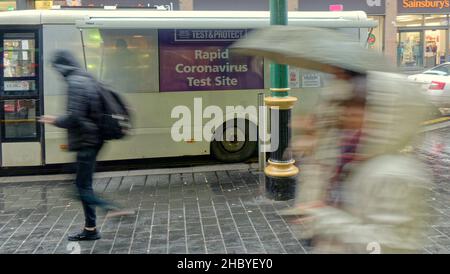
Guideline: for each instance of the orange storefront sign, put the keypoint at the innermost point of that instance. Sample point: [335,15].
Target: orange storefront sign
[434,4]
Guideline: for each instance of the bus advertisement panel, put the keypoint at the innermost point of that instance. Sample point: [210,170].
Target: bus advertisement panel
[195,60]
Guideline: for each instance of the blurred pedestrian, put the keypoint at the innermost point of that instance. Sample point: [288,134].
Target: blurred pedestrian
[81,121]
[359,189]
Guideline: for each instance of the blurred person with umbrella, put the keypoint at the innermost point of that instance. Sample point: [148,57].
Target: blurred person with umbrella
[357,188]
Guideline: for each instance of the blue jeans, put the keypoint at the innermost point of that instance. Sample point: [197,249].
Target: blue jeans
[86,159]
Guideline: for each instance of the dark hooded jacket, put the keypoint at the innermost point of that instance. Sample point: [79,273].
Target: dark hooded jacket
[83,103]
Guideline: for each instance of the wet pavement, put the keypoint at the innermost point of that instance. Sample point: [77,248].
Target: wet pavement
[435,152]
[199,212]
[209,210]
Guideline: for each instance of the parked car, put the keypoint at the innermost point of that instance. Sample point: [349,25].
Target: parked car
[436,84]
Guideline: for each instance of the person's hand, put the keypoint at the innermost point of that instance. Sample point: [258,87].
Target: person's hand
[305,123]
[47,119]
[306,218]
[304,145]
[312,204]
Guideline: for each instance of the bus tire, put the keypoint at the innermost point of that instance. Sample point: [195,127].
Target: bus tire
[234,151]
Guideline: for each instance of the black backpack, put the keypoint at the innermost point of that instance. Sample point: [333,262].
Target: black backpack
[114,120]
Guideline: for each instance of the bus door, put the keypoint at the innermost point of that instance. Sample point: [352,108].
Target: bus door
[20,98]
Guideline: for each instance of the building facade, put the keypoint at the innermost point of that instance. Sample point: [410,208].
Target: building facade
[7,5]
[417,36]
[423,33]
[375,9]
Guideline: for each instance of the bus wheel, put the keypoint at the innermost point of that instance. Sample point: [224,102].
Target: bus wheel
[235,144]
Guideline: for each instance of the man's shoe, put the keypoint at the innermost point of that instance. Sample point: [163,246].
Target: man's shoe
[85,235]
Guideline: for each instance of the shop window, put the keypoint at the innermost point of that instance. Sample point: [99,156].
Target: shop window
[410,49]
[409,20]
[19,121]
[375,38]
[436,20]
[126,60]
[435,46]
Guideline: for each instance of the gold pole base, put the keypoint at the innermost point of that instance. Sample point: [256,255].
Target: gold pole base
[281,169]
[280,102]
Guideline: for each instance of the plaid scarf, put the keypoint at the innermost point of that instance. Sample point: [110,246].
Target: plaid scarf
[348,146]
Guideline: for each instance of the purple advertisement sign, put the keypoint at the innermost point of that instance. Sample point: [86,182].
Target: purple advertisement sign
[195,60]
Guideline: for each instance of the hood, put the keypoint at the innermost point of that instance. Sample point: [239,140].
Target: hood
[65,62]
[395,110]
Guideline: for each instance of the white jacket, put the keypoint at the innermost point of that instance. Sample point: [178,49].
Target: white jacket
[385,194]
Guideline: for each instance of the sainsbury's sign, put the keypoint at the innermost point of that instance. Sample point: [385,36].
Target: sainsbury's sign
[424,6]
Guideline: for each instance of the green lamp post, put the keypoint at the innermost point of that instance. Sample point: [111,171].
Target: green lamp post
[280,172]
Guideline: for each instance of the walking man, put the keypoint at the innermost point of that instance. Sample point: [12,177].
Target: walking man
[81,121]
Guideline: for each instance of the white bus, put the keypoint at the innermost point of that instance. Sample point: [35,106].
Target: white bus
[157,59]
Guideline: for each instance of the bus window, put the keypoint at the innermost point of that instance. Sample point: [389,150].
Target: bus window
[19,64]
[19,119]
[126,60]
[20,77]
[19,55]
